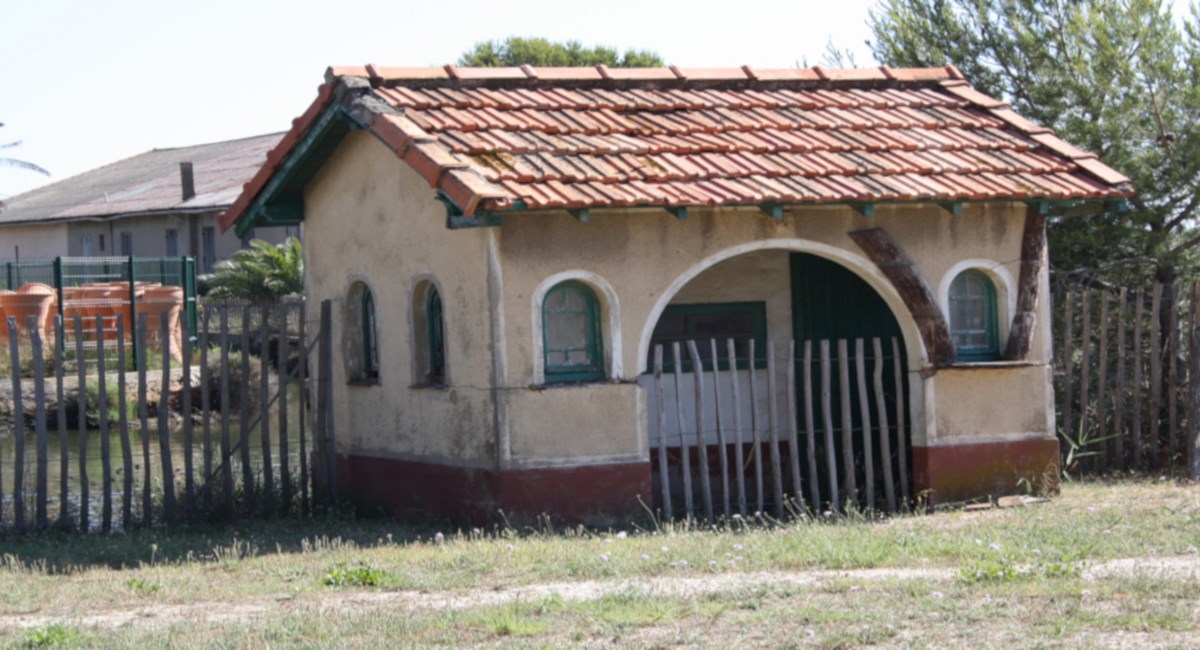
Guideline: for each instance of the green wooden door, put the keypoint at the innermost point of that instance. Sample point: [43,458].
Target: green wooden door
[830,302]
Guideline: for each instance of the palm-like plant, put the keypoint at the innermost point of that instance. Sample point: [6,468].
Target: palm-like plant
[261,273]
[19,164]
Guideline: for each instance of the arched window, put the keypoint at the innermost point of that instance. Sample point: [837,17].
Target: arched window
[437,338]
[361,340]
[973,317]
[571,334]
[429,336]
[370,345]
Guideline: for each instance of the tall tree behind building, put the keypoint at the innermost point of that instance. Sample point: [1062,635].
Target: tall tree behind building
[1120,78]
[516,50]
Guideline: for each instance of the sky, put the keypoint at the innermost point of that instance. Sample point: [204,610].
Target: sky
[91,82]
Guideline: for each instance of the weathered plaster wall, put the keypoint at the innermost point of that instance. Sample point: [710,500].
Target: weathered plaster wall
[33,242]
[647,259]
[370,218]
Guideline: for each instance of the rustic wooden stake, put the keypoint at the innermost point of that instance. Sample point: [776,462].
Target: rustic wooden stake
[226,444]
[738,453]
[39,419]
[164,433]
[901,422]
[264,420]
[14,355]
[864,410]
[701,439]
[664,477]
[1085,366]
[754,432]
[206,412]
[126,445]
[64,447]
[282,355]
[106,508]
[248,486]
[773,419]
[144,416]
[722,440]
[1068,360]
[810,432]
[827,420]
[1172,352]
[847,422]
[685,452]
[81,363]
[1138,433]
[1119,402]
[305,479]
[1155,415]
[885,431]
[793,435]
[1102,382]
[189,480]
[1192,443]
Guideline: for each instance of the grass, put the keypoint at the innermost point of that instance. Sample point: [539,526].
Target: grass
[1022,577]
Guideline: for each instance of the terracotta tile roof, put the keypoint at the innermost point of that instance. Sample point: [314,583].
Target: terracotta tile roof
[493,138]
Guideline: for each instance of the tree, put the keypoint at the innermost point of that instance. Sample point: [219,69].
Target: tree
[515,50]
[1119,78]
[261,273]
[19,164]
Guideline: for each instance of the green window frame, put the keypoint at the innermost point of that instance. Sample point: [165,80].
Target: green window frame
[702,322]
[437,338]
[370,345]
[973,322]
[571,337]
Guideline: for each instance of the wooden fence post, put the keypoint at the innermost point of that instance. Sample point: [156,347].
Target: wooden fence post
[664,477]
[326,394]
[18,427]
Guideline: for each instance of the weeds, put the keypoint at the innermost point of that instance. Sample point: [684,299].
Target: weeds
[361,575]
[51,636]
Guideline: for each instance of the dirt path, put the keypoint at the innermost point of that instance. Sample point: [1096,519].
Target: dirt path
[1183,568]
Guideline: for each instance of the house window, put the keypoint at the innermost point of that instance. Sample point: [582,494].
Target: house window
[172,242]
[362,346]
[571,334]
[126,243]
[429,336]
[973,317]
[208,238]
[741,321]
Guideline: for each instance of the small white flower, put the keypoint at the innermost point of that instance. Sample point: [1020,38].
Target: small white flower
[855,588]
[727,554]
[712,563]
[683,563]
[1037,551]
[622,535]
[603,557]
[827,513]
[737,558]
[645,557]
[1107,532]
[979,542]
[1085,593]
[737,547]
[666,550]
[511,547]
[994,547]
[439,538]
[608,540]
[736,516]
[938,595]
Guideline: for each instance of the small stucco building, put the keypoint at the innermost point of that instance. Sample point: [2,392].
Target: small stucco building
[504,249]
[161,203]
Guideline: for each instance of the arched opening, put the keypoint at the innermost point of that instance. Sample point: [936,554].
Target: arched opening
[428,335]
[361,340]
[803,374]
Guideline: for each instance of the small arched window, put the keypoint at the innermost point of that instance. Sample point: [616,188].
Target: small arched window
[370,345]
[571,334]
[361,339]
[973,317]
[437,338]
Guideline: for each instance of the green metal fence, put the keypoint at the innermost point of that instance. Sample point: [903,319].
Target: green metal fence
[66,272]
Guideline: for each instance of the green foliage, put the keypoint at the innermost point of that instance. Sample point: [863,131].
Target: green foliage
[1119,78]
[360,575]
[112,410]
[143,587]
[51,636]
[19,164]
[261,273]
[515,50]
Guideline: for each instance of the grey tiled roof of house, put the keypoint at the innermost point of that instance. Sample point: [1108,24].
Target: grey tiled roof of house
[147,183]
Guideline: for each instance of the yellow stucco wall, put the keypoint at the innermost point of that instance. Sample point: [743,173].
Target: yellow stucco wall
[370,218]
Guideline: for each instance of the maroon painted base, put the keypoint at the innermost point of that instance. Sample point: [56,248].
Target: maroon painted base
[421,491]
[962,472]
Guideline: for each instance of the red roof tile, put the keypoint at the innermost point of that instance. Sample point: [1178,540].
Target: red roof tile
[596,137]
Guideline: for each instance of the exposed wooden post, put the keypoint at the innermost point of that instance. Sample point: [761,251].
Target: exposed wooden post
[701,439]
[738,455]
[864,410]
[18,423]
[206,412]
[754,431]
[281,349]
[1155,415]
[901,421]
[81,363]
[1139,308]
[1067,354]
[64,447]
[685,453]
[1172,352]
[264,419]
[1085,366]
[1103,429]
[773,419]
[189,481]
[305,480]
[126,444]
[1193,439]
[164,432]
[885,431]
[1033,250]
[664,478]
[243,443]
[827,420]
[226,444]
[851,479]
[900,270]
[793,434]
[106,508]
[814,487]
[326,355]
[140,352]
[722,440]
[39,420]
[1119,401]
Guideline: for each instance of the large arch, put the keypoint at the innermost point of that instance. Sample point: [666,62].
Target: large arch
[862,267]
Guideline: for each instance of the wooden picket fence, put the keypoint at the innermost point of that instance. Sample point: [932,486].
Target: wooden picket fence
[227,457]
[734,449]
[1127,377]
